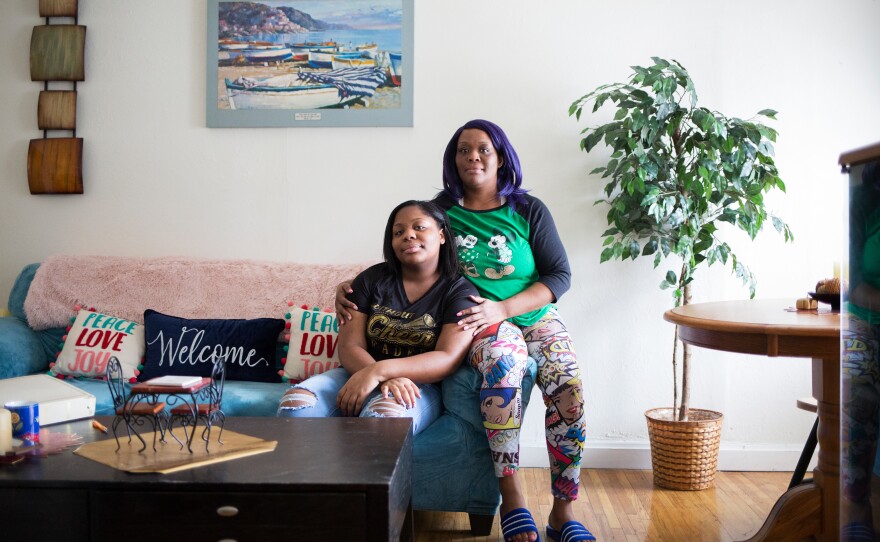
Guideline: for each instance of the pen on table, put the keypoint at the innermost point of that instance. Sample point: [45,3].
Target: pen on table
[100,427]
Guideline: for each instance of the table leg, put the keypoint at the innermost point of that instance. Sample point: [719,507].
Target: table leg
[826,390]
[812,509]
[406,531]
[194,416]
[195,420]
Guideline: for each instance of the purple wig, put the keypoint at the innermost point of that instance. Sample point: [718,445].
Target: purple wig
[509,174]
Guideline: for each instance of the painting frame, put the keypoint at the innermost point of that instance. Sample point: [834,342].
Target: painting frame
[218,116]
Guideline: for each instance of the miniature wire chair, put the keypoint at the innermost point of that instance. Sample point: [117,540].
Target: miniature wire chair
[208,402]
[133,410]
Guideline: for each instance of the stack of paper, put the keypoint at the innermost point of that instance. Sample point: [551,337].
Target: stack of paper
[174,381]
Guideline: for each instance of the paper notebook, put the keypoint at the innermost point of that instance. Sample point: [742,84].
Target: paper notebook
[174,381]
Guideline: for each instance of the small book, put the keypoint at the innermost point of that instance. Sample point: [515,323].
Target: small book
[174,381]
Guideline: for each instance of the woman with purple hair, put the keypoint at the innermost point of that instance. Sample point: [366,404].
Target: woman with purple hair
[508,247]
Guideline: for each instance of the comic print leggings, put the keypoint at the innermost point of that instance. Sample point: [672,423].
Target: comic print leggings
[501,354]
[860,402]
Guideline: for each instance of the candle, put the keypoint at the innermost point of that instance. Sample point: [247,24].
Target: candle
[5,431]
[836,270]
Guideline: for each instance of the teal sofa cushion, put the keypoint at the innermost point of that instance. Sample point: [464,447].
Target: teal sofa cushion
[20,349]
[20,289]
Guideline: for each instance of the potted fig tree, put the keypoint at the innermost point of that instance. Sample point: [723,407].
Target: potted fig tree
[677,171]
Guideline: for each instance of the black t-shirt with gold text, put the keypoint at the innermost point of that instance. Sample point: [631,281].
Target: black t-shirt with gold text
[398,328]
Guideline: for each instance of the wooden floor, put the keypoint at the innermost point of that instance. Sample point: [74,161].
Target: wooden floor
[624,505]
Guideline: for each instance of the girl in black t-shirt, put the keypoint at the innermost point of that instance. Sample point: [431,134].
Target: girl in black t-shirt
[405,334]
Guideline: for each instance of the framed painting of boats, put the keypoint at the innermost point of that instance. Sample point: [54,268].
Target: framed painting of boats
[309,63]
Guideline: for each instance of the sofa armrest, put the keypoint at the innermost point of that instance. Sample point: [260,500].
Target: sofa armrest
[21,349]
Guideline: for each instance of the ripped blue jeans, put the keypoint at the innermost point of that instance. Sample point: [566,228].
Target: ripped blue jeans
[325,387]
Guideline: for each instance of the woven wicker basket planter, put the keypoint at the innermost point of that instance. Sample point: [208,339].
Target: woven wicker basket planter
[684,455]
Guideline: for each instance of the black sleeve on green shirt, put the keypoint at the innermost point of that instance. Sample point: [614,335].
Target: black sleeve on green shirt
[863,202]
[550,258]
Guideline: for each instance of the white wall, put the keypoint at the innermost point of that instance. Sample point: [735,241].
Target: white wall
[158,182]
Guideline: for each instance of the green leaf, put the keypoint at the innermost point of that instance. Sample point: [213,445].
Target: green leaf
[591,140]
[780,184]
[768,113]
[704,173]
[634,249]
[650,247]
[606,255]
[711,256]
[778,224]
[671,278]
[663,63]
[666,109]
[724,252]
[767,132]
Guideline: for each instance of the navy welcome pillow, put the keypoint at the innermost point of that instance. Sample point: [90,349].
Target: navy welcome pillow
[181,346]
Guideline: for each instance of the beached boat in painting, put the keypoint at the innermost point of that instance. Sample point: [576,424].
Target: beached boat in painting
[252,51]
[301,50]
[395,68]
[369,50]
[304,90]
[321,59]
[266,55]
[351,60]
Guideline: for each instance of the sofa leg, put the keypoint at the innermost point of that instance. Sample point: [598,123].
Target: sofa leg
[481,524]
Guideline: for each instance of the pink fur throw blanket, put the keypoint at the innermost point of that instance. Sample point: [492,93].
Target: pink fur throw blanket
[179,286]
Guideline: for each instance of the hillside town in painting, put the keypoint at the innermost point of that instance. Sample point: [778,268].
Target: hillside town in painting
[309,54]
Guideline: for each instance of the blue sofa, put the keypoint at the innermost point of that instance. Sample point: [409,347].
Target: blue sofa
[452,469]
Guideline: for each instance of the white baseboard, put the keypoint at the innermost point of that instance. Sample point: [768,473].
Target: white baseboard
[637,455]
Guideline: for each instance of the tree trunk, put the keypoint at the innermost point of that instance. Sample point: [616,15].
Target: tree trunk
[675,375]
[685,364]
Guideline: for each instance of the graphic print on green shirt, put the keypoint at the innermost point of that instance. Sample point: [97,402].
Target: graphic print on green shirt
[495,255]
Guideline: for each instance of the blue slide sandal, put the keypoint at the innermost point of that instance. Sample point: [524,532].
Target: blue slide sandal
[571,531]
[518,520]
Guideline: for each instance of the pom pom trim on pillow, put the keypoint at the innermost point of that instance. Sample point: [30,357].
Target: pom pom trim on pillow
[91,339]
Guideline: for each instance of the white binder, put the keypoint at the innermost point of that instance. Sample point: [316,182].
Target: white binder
[59,401]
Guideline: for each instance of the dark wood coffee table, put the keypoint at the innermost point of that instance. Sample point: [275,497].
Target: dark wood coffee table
[328,479]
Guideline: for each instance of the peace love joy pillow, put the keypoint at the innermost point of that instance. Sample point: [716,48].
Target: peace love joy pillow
[313,337]
[93,339]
